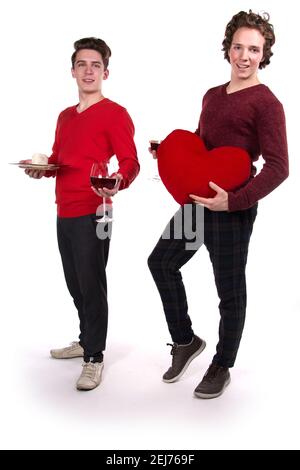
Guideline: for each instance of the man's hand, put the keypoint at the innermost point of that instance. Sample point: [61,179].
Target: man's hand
[105,192]
[37,174]
[153,153]
[217,203]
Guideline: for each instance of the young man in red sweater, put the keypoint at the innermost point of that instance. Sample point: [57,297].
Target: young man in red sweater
[242,113]
[92,131]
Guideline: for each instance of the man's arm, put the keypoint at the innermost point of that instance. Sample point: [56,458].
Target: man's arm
[121,133]
[271,131]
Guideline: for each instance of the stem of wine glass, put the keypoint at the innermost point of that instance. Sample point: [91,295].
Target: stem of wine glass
[104,207]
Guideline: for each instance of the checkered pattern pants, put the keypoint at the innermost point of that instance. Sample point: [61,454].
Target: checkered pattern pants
[226,237]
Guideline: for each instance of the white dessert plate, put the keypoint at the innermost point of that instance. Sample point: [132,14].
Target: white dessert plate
[36,166]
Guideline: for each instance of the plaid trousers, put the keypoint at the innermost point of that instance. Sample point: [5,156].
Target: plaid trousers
[226,237]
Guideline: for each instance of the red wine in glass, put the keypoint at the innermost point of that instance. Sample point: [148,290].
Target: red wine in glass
[154,144]
[103,182]
[99,178]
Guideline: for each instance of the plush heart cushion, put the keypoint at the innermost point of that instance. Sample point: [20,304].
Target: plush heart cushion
[186,166]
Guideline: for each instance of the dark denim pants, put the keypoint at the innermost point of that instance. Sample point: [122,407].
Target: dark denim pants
[84,258]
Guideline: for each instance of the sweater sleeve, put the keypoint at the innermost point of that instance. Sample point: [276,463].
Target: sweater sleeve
[271,132]
[121,133]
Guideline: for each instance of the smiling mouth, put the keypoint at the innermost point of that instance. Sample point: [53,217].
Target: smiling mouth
[242,67]
[88,80]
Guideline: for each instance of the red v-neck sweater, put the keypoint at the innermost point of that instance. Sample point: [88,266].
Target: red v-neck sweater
[254,120]
[96,134]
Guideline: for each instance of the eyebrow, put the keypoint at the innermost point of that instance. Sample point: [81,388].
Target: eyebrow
[239,44]
[85,61]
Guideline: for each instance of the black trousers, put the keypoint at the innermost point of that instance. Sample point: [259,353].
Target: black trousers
[84,258]
[226,236]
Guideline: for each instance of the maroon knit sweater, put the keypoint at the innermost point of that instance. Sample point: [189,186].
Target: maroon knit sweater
[254,120]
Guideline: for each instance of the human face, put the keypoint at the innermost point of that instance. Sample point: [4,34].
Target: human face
[245,54]
[89,71]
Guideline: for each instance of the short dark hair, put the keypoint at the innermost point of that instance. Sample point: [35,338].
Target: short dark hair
[96,45]
[254,21]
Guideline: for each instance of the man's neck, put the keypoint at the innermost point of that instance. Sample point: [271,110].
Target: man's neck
[236,85]
[87,100]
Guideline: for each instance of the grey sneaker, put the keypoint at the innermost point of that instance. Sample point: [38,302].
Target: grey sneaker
[183,354]
[214,382]
[90,376]
[74,350]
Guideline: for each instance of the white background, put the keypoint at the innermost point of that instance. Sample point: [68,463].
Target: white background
[165,55]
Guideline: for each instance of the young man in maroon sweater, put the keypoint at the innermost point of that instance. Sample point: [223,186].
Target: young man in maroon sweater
[242,113]
[92,131]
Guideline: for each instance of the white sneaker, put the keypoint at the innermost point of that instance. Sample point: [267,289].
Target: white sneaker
[90,376]
[74,350]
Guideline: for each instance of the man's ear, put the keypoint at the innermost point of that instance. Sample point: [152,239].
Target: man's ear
[72,72]
[105,74]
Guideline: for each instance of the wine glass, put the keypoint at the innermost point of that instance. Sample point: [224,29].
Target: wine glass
[100,179]
[154,146]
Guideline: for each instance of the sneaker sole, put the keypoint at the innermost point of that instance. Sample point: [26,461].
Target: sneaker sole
[86,389]
[199,351]
[65,357]
[212,395]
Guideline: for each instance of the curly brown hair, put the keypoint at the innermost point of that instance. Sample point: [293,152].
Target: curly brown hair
[254,21]
[96,45]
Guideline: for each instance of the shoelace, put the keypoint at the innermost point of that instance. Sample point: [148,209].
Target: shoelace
[89,369]
[174,347]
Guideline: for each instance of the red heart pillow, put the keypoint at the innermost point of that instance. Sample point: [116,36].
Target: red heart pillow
[186,166]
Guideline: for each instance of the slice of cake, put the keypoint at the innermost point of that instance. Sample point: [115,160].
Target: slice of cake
[39,159]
